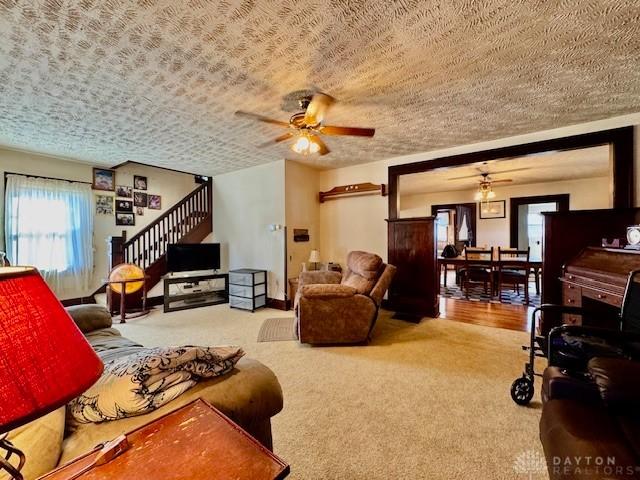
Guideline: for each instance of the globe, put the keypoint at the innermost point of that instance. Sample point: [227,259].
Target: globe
[126,271]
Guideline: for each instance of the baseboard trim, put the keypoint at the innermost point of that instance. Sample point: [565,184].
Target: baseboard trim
[278,304]
[70,302]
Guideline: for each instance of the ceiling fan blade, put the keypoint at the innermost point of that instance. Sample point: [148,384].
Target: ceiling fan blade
[510,170]
[261,118]
[462,178]
[323,146]
[501,181]
[281,138]
[319,105]
[355,131]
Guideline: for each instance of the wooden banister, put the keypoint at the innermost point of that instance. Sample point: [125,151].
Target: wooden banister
[189,220]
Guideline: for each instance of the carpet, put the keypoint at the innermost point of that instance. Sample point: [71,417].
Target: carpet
[422,401]
[277,330]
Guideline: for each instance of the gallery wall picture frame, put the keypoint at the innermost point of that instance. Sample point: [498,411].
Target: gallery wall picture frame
[124,191]
[104,179]
[124,206]
[125,219]
[155,202]
[139,182]
[140,199]
[139,211]
[493,209]
[104,205]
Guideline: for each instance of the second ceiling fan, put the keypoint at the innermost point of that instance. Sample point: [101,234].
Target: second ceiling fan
[306,126]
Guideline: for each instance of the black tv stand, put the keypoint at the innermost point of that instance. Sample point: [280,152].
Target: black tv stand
[202,298]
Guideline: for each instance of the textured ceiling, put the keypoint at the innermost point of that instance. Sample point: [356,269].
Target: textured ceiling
[549,167]
[157,81]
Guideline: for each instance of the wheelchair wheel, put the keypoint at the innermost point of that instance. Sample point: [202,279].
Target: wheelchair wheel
[522,390]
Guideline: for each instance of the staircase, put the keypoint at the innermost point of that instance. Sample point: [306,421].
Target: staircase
[188,221]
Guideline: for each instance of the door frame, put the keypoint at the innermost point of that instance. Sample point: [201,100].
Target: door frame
[452,206]
[561,199]
[621,155]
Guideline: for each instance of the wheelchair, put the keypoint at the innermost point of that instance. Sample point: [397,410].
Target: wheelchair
[571,346]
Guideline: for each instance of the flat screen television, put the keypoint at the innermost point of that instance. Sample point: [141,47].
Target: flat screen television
[188,257]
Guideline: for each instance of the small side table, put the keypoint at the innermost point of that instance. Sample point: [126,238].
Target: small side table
[195,442]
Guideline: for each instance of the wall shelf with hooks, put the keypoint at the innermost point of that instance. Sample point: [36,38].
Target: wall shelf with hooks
[353,189]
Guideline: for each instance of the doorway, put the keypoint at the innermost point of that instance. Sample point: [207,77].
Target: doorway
[455,225]
[526,220]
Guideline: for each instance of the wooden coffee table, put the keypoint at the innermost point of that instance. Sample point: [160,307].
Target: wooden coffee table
[195,442]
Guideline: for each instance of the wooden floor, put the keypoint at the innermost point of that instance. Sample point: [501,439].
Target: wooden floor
[512,317]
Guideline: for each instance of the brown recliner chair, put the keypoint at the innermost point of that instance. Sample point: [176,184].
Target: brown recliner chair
[334,308]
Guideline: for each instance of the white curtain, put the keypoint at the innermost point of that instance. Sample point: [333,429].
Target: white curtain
[49,225]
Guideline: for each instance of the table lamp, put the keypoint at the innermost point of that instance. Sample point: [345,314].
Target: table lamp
[46,361]
[314,258]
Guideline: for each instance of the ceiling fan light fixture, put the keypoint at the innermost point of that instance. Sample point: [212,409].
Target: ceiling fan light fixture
[485,192]
[305,145]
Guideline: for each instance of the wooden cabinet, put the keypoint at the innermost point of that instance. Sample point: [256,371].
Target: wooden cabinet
[596,279]
[412,249]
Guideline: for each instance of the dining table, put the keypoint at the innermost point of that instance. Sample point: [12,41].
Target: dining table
[534,265]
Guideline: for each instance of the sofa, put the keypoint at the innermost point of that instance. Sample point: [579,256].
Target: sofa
[250,395]
[590,423]
[333,308]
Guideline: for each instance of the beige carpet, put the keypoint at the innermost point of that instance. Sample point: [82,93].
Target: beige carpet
[426,401]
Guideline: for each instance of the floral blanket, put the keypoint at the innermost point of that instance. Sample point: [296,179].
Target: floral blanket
[147,378]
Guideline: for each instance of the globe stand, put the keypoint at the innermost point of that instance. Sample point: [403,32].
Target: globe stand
[126,279]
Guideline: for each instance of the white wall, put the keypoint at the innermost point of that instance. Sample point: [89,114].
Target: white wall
[359,223]
[301,211]
[586,193]
[245,203]
[172,186]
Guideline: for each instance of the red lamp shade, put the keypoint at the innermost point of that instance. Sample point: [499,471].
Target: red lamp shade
[45,360]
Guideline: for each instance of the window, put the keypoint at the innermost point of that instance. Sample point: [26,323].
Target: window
[49,224]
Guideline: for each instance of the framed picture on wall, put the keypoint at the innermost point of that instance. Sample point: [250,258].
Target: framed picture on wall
[124,206]
[155,202]
[495,209]
[104,179]
[104,205]
[139,182]
[125,219]
[140,199]
[139,211]
[124,191]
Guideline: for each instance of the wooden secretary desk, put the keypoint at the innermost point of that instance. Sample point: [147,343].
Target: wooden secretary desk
[596,279]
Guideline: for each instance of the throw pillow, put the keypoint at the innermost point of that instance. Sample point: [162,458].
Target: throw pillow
[41,442]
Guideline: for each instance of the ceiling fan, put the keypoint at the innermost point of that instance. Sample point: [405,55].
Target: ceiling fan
[306,126]
[485,174]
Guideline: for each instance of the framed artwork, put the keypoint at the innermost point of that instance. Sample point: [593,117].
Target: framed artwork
[104,179]
[495,209]
[124,191]
[139,183]
[140,199]
[124,206]
[125,219]
[104,205]
[155,202]
[139,211]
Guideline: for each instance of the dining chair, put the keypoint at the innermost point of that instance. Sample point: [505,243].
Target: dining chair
[513,269]
[478,268]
